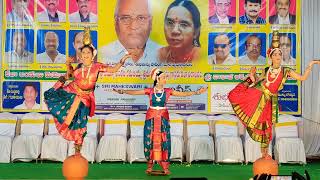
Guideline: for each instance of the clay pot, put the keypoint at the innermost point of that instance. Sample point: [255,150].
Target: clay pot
[265,166]
[75,167]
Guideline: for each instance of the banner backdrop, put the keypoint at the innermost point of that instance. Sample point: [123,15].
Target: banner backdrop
[197,42]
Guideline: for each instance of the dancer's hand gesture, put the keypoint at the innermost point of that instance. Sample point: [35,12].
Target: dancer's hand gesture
[252,74]
[202,90]
[124,58]
[120,91]
[316,61]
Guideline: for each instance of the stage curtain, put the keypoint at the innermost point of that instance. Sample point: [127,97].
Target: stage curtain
[311,87]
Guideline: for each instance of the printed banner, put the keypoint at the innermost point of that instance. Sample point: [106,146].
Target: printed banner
[197,43]
[119,102]
[219,98]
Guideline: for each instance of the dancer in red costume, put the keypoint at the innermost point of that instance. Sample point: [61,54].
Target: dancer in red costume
[157,143]
[72,103]
[255,101]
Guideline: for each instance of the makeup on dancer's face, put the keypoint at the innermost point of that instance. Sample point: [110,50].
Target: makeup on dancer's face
[276,53]
[86,55]
[276,57]
[162,78]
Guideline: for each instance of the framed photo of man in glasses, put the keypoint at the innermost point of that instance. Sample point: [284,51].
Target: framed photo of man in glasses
[221,48]
[222,11]
[288,48]
[252,48]
[133,24]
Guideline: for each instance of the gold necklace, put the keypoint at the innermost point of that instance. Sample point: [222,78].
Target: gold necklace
[86,79]
[270,70]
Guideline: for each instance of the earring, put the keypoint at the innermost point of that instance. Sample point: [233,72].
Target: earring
[195,43]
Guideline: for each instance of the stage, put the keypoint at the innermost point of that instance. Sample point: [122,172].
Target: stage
[107,170]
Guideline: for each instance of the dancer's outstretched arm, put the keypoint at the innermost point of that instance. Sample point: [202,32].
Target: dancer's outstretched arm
[119,65]
[199,91]
[306,74]
[115,68]
[130,92]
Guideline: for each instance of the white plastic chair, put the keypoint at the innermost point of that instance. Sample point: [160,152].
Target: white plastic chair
[229,147]
[289,147]
[113,144]
[90,141]
[7,131]
[200,145]
[27,146]
[176,132]
[135,147]
[54,146]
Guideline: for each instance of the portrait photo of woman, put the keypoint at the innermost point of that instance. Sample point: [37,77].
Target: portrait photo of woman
[182,31]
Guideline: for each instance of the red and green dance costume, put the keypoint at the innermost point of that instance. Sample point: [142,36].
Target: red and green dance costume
[257,106]
[75,101]
[157,140]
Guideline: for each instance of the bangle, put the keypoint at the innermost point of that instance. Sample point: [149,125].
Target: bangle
[309,68]
[122,62]
[121,91]
[62,79]
[248,80]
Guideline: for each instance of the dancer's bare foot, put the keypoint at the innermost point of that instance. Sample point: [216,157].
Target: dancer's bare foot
[77,149]
[149,167]
[267,156]
[165,167]
[167,172]
[148,171]
[264,153]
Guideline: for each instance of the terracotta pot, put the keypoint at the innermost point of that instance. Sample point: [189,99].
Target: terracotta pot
[265,166]
[75,167]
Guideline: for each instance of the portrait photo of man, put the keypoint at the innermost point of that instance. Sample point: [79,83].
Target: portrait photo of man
[50,48]
[19,46]
[20,11]
[220,47]
[84,11]
[252,11]
[282,15]
[254,49]
[222,9]
[133,24]
[51,13]
[76,42]
[30,97]
[287,45]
